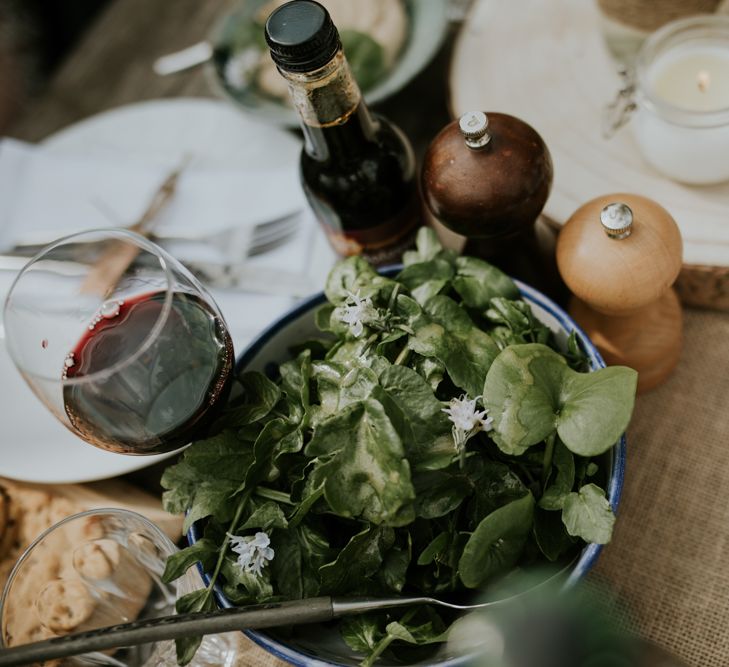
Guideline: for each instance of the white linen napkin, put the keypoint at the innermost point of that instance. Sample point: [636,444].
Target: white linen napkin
[49,194]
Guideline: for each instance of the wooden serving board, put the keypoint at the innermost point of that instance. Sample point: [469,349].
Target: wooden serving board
[26,510]
[546,62]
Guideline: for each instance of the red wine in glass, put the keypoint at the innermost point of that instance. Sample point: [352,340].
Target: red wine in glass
[142,398]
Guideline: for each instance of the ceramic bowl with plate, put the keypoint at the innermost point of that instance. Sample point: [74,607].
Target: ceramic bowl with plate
[241,32]
[320,645]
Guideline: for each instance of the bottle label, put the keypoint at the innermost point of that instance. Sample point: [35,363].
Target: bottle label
[380,244]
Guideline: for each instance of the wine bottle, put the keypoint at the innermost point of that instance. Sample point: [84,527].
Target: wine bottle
[357,169]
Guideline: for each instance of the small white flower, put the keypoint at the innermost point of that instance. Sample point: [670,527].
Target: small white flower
[240,67]
[253,551]
[466,419]
[355,311]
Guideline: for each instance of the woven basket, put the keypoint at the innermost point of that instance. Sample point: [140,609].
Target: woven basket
[704,286]
[648,15]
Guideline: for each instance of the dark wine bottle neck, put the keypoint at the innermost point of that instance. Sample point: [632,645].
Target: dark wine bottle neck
[334,118]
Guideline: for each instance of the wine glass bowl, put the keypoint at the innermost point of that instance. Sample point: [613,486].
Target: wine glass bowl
[135,362]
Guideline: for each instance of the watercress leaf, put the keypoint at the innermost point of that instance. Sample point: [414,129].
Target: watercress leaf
[180,481]
[295,377]
[531,392]
[210,498]
[431,370]
[204,551]
[293,576]
[200,600]
[368,475]
[206,477]
[440,454]
[421,634]
[354,275]
[260,395]
[308,491]
[426,279]
[477,282]
[587,514]
[438,493]
[265,450]
[222,456]
[556,493]
[339,386]
[291,443]
[435,549]
[361,633]
[360,558]
[517,318]
[576,358]
[445,331]
[427,246]
[422,410]
[267,516]
[386,343]
[592,469]
[596,408]
[551,535]
[242,585]
[521,393]
[314,545]
[394,569]
[323,316]
[494,485]
[345,277]
[497,542]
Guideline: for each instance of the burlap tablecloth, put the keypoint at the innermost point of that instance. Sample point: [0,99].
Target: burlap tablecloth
[669,559]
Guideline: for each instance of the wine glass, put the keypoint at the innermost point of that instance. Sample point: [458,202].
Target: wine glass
[120,342]
[99,568]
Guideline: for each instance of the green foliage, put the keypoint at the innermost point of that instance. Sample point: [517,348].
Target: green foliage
[496,544]
[587,515]
[349,463]
[531,392]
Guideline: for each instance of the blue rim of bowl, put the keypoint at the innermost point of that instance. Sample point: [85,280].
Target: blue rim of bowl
[590,552]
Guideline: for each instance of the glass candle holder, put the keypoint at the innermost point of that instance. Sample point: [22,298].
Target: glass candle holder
[676,98]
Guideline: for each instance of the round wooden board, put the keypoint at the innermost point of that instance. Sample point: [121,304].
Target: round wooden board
[546,62]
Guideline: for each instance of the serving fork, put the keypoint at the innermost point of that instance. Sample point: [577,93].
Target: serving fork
[297,612]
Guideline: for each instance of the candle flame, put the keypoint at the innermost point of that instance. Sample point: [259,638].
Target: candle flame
[703,80]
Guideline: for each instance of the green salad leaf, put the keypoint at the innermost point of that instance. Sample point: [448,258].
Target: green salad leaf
[531,392]
[587,514]
[437,439]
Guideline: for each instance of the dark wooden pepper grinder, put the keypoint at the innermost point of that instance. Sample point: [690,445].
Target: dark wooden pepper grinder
[487,177]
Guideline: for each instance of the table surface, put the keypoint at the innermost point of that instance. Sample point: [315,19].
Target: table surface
[669,561]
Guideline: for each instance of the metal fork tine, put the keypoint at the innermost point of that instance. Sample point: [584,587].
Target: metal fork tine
[273,234]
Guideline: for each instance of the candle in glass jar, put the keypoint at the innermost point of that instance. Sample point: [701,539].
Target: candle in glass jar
[681,122]
[694,79]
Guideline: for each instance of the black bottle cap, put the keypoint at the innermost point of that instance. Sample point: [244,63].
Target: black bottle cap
[301,36]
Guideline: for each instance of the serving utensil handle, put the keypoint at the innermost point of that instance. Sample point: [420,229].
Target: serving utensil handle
[297,612]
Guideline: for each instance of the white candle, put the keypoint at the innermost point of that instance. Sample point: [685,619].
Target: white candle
[682,119]
[694,79]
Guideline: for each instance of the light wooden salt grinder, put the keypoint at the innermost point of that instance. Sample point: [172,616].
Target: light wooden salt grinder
[487,177]
[620,254]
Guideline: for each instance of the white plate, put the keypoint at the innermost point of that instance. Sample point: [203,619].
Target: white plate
[546,62]
[34,446]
